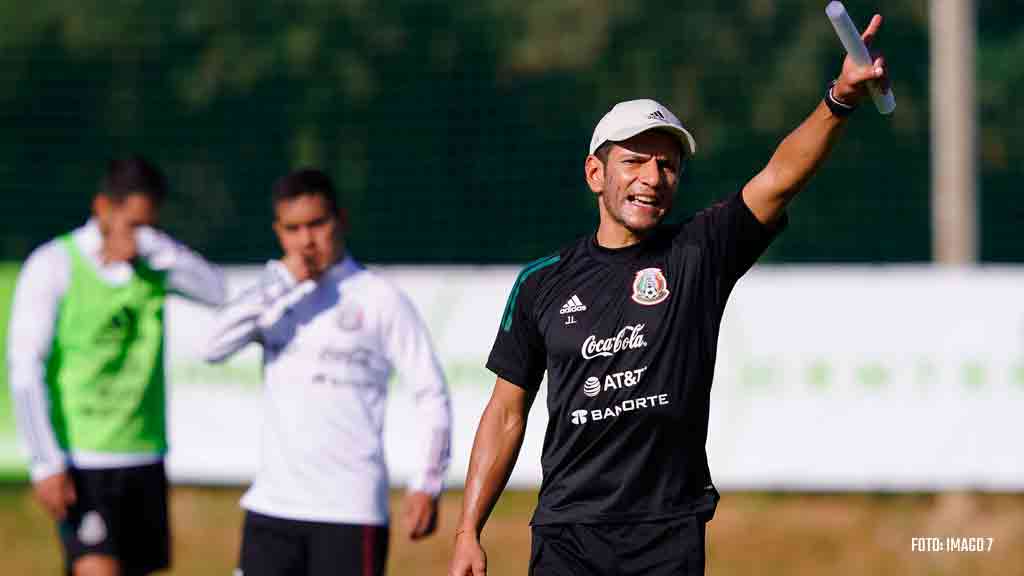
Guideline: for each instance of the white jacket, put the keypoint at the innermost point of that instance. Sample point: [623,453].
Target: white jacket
[329,350]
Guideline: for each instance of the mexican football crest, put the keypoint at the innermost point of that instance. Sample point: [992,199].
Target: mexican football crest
[650,287]
[349,317]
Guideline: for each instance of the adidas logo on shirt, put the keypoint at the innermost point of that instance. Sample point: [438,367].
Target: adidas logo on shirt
[572,305]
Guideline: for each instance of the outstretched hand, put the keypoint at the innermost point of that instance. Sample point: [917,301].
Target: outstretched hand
[852,84]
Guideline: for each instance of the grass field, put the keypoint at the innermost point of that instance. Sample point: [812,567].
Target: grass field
[762,534]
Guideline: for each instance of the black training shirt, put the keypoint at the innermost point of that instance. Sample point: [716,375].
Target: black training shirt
[628,338]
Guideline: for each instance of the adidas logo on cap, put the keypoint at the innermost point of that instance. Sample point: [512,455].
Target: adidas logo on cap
[627,119]
[572,305]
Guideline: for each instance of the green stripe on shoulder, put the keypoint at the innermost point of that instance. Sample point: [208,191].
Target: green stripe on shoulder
[510,305]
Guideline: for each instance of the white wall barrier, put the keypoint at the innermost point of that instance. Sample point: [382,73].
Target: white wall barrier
[828,378]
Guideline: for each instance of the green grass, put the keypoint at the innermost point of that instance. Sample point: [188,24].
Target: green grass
[768,534]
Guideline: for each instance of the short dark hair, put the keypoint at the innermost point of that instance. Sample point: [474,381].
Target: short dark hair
[307,181]
[133,175]
[602,151]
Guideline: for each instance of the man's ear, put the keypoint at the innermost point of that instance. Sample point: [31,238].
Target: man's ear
[593,171]
[102,207]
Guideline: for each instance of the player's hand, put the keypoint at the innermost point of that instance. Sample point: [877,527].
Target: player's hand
[419,515]
[469,558]
[852,85]
[55,494]
[301,268]
[118,240]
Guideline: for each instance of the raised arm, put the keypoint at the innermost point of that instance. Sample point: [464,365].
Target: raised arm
[188,273]
[243,319]
[801,153]
[495,450]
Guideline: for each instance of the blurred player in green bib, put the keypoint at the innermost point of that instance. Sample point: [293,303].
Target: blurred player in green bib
[85,352]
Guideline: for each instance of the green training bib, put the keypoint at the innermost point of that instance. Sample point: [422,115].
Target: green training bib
[105,372]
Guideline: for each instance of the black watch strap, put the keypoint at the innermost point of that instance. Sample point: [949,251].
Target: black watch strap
[839,109]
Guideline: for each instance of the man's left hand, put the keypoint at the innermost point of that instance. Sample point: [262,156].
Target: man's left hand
[419,515]
[851,86]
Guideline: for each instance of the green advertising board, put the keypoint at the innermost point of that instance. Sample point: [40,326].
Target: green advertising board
[12,460]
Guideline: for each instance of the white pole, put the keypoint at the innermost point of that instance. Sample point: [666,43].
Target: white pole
[954,133]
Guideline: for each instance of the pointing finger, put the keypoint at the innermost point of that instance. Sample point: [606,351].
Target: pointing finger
[872,30]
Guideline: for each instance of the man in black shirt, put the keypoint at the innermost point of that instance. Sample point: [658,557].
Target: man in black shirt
[625,323]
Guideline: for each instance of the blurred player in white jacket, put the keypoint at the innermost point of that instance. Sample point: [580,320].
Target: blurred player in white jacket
[332,334]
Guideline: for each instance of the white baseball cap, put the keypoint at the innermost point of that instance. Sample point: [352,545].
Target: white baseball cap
[629,118]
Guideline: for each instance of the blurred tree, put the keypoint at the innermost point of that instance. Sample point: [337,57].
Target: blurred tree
[1001,130]
[457,130]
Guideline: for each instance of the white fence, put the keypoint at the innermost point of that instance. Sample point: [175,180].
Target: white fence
[845,378]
